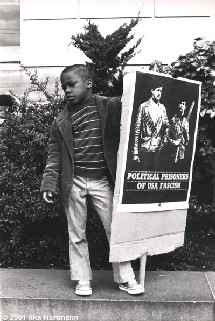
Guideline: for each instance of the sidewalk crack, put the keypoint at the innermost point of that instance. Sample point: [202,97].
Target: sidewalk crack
[210,286]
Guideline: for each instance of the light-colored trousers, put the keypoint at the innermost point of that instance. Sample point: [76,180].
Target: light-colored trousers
[101,195]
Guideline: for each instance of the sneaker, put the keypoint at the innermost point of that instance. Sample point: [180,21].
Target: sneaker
[83,288]
[132,288]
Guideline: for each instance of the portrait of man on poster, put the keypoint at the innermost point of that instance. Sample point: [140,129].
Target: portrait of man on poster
[151,129]
[179,132]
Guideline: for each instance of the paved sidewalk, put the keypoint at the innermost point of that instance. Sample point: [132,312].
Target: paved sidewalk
[28,295]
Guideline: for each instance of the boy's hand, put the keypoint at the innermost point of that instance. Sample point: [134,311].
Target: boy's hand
[48,196]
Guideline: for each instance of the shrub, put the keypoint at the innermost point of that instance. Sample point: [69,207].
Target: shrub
[198,252]
[34,234]
[109,55]
[29,226]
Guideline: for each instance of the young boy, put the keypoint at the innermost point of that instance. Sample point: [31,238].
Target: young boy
[83,147]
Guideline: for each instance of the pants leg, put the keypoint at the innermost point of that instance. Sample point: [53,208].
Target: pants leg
[101,195]
[150,160]
[76,212]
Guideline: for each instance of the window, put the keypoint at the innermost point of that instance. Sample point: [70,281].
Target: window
[9,23]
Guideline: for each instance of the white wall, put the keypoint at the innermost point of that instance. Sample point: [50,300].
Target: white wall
[168,28]
[12,77]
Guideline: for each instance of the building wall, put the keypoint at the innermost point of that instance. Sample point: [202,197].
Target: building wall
[168,28]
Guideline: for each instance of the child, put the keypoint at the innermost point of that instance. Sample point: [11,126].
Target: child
[83,147]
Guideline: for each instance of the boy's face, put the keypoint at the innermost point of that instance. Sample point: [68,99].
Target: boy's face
[76,90]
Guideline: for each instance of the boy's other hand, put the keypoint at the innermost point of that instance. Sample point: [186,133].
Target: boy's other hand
[48,196]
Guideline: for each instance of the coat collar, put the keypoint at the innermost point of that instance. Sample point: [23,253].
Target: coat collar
[101,102]
[65,127]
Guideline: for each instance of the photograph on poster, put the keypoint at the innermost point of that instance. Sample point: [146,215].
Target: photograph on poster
[159,150]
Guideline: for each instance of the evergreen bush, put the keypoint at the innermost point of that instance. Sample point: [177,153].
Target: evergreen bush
[109,55]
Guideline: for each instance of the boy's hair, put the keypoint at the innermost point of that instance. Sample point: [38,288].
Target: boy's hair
[82,70]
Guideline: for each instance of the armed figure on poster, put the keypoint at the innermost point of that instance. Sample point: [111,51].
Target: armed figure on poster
[179,135]
[151,129]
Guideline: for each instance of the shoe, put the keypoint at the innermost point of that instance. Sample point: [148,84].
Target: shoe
[83,288]
[132,287]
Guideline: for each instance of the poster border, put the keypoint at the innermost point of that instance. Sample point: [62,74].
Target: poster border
[140,208]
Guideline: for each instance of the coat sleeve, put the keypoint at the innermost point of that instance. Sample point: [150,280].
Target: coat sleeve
[114,117]
[116,106]
[53,165]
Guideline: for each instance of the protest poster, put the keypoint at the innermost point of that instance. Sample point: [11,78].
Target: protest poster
[159,147]
[152,191]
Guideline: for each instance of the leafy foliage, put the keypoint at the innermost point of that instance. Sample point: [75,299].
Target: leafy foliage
[198,65]
[198,252]
[33,233]
[107,55]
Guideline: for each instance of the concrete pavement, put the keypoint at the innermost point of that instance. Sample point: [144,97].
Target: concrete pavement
[37,294]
